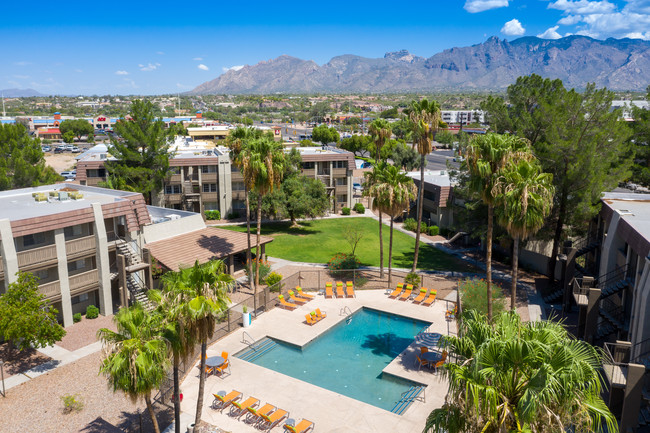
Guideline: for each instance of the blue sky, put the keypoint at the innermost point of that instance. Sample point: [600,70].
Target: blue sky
[142,47]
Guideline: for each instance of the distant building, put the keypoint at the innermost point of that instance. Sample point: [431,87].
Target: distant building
[626,107]
[437,192]
[462,117]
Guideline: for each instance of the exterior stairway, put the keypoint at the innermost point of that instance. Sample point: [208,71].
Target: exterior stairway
[136,287]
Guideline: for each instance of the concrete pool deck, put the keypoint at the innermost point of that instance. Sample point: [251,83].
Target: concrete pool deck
[330,411]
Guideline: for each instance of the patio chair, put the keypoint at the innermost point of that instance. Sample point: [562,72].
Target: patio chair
[419,298]
[397,291]
[301,427]
[222,369]
[292,298]
[224,355]
[349,290]
[311,320]
[329,293]
[407,293]
[441,362]
[221,402]
[269,421]
[301,294]
[254,415]
[451,314]
[421,362]
[339,290]
[320,315]
[431,299]
[287,305]
[239,408]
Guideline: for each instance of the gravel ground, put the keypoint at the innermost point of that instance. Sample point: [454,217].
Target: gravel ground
[85,332]
[16,361]
[61,161]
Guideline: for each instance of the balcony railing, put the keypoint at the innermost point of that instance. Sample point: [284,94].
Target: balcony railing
[581,290]
[36,255]
[51,289]
[615,363]
[209,177]
[84,279]
[80,245]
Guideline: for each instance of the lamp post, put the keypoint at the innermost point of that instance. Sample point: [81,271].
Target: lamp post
[2,372]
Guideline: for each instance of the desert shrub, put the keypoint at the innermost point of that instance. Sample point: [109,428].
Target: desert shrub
[414,279]
[473,296]
[265,270]
[212,215]
[72,403]
[345,211]
[343,261]
[410,224]
[76,318]
[434,230]
[232,215]
[272,280]
[92,312]
[359,208]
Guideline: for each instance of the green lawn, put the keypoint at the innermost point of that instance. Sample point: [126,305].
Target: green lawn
[317,241]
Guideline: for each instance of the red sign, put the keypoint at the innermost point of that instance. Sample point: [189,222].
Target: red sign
[101,119]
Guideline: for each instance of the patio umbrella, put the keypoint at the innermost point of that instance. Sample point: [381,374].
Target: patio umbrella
[429,339]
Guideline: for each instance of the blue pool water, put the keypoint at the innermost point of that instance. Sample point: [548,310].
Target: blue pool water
[349,358]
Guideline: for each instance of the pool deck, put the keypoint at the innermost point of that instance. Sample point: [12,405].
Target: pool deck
[330,411]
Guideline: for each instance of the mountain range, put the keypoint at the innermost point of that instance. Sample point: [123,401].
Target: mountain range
[618,64]
[19,93]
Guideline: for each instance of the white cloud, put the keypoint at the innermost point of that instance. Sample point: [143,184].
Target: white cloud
[513,28]
[121,72]
[182,86]
[203,67]
[570,20]
[79,71]
[550,33]
[22,63]
[640,6]
[638,35]
[232,68]
[198,59]
[149,67]
[474,6]
[160,53]
[583,7]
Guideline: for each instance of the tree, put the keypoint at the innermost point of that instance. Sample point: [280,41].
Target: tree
[641,143]
[425,118]
[391,113]
[352,235]
[402,129]
[358,144]
[485,157]
[405,157]
[524,200]
[77,127]
[325,134]
[305,197]
[68,137]
[514,376]
[142,150]
[135,360]
[26,318]
[318,111]
[22,163]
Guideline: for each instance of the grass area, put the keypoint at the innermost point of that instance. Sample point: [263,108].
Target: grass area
[317,241]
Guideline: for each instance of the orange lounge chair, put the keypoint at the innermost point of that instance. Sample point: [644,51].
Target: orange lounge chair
[292,298]
[239,408]
[269,421]
[349,290]
[222,402]
[287,305]
[339,290]
[320,315]
[301,427]
[329,293]
[432,297]
[421,296]
[222,369]
[254,415]
[407,293]
[311,320]
[397,291]
[300,294]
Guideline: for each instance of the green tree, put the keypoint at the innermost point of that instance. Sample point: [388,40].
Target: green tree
[26,318]
[358,144]
[22,163]
[391,113]
[405,157]
[371,180]
[68,137]
[141,149]
[325,134]
[402,129]
[305,197]
[524,200]
[515,376]
[641,143]
[136,355]
[318,111]
[77,127]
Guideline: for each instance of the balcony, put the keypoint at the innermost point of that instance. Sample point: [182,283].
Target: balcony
[174,178]
[615,363]
[80,245]
[51,289]
[239,195]
[172,198]
[209,177]
[84,280]
[338,172]
[581,288]
[36,255]
[210,196]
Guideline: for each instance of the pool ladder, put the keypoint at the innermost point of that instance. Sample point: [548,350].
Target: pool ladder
[408,397]
[345,311]
[251,343]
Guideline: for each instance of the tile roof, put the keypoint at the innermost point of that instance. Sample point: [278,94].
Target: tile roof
[203,245]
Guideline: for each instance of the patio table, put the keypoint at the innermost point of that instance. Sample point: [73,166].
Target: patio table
[214,361]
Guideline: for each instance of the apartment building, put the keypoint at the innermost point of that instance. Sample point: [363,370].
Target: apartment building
[437,190]
[462,117]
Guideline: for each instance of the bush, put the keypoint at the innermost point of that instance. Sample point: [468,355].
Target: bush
[92,312]
[473,296]
[410,224]
[345,211]
[359,208]
[265,270]
[343,261]
[72,403]
[212,215]
[272,280]
[434,230]
[360,282]
[76,318]
[232,215]
[445,232]
[414,279]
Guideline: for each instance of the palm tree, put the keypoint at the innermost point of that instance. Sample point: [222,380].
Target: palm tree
[263,159]
[485,157]
[425,118]
[372,179]
[394,192]
[135,356]
[525,198]
[380,131]
[514,376]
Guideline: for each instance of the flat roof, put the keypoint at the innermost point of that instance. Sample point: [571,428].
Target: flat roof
[634,209]
[438,177]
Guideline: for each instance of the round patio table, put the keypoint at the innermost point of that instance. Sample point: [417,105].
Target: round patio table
[214,361]
[431,356]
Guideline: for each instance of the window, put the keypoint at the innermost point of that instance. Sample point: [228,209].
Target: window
[42,274]
[78,299]
[208,169]
[76,265]
[172,189]
[73,231]
[308,165]
[210,205]
[430,195]
[174,170]
[33,239]
[209,187]
[340,181]
[341,198]
[238,186]
[339,164]
[238,205]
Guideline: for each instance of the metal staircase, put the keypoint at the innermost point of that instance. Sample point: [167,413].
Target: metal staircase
[138,291]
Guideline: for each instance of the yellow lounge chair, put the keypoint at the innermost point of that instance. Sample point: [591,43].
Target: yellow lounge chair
[421,296]
[221,402]
[269,421]
[239,408]
[287,305]
[300,294]
[349,290]
[329,293]
[407,293]
[320,315]
[301,427]
[397,291]
[254,415]
[339,290]
[431,298]
[311,320]
[292,298]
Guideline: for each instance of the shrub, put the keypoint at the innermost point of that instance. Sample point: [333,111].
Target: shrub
[265,270]
[445,232]
[414,279]
[473,296]
[92,312]
[212,215]
[359,208]
[72,403]
[232,215]
[345,211]
[360,282]
[410,224]
[343,261]
[434,230]
[272,280]
[76,318]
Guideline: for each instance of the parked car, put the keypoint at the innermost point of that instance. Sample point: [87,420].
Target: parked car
[69,147]
[75,149]
[47,149]
[60,149]
[69,174]
[357,187]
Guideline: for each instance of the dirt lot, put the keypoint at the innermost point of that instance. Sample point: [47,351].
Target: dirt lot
[61,161]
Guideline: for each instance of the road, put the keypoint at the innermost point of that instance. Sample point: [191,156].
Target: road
[437,160]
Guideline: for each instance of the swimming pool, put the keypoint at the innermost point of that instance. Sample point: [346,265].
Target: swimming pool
[349,358]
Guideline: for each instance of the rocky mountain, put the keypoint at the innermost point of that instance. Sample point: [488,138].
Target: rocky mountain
[618,64]
[20,93]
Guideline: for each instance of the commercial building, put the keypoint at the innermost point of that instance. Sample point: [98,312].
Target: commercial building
[462,117]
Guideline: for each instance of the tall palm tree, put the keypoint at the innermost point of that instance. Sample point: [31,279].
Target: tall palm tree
[424,118]
[263,159]
[394,192]
[514,376]
[485,157]
[135,356]
[372,179]
[380,131]
[525,198]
